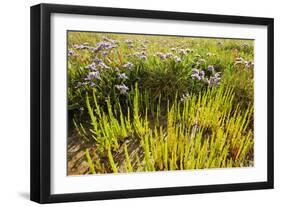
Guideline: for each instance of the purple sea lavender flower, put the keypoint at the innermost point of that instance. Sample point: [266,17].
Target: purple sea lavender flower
[217,75]
[196,76]
[103,65]
[161,55]
[169,54]
[195,71]
[92,67]
[128,65]
[102,45]
[249,64]
[80,47]
[110,40]
[122,88]
[202,74]
[214,81]
[104,53]
[93,76]
[143,57]
[92,84]
[71,53]
[123,76]
[211,68]
[182,52]
[177,59]
[97,60]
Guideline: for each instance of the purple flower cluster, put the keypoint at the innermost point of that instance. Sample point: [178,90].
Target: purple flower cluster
[212,80]
[197,74]
[92,67]
[163,56]
[82,46]
[129,43]
[242,62]
[182,52]
[94,75]
[123,76]
[249,64]
[112,41]
[128,66]
[103,46]
[177,59]
[97,64]
[141,55]
[105,53]
[72,53]
[100,63]
[211,68]
[122,89]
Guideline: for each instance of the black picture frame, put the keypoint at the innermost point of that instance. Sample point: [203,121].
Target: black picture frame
[41,96]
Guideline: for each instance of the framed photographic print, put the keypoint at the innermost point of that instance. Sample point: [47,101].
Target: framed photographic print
[132,103]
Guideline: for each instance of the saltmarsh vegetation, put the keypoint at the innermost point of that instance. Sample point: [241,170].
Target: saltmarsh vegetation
[155,103]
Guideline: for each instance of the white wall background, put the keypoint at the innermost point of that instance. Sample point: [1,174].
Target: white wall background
[14,102]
